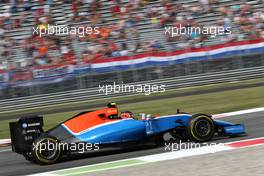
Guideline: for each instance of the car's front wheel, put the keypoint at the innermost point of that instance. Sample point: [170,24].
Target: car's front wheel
[200,128]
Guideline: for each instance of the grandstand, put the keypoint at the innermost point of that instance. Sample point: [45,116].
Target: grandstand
[61,13]
[134,26]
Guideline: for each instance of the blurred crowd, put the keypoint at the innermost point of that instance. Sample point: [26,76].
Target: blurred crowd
[115,37]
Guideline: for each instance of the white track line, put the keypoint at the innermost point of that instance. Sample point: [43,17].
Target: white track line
[238,112]
[185,153]
[7,150]
[5,141]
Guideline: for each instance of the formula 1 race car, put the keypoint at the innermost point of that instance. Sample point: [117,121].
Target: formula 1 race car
[104,128]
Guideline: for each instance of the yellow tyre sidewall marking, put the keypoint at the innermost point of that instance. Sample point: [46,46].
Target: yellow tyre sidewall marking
[192,126]
[37,153]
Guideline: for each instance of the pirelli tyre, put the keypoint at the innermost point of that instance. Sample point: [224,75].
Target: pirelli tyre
[200,128]
[46,150]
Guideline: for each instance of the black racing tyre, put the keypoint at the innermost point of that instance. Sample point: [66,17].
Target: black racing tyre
[200,128]
[46,150]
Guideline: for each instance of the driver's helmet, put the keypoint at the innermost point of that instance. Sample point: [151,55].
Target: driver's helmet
[126,114]
[111,105]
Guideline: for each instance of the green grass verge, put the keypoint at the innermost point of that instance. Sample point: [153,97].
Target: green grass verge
[170,92]
[211,103]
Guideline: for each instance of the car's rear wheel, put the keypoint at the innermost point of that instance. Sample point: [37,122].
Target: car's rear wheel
[46,150]
[200,128]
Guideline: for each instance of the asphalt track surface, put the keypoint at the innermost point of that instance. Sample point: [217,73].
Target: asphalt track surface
[14,164]
[246,161]
[138,99]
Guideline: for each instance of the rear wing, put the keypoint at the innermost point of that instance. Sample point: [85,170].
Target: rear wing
[24,132]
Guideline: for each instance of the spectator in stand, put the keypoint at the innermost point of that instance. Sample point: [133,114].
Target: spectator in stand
[134,4]
[138,48]
[196,10]
[26,5]
[96,19]
[155,45]
[46,51]
[206,5]
[7,22]
[114,49]
[115,9]
[224,11]
[13,6]
[143,2]
[94,6]
[6,44]
[43,50]
[105,33]
[87,57]
[124,49]
[75,7]
[16,23]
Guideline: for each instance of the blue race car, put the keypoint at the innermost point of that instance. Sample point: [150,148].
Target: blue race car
[105,128]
